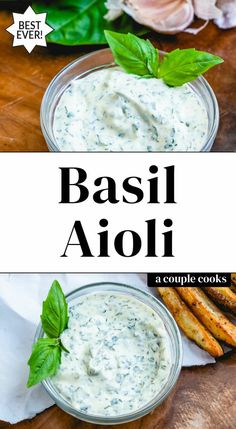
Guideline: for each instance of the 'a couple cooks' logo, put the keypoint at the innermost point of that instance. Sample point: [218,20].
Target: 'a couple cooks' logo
[29,29]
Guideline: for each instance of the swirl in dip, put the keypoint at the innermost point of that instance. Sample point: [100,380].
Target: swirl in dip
[110,110]
[119,355]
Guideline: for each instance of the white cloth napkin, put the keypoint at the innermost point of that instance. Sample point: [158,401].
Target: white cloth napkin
[21,297]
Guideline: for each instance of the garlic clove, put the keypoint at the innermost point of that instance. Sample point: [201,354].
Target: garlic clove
[228,17]
[206,9]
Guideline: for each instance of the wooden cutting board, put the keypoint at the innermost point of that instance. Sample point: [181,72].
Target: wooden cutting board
[204,398]
[24,78]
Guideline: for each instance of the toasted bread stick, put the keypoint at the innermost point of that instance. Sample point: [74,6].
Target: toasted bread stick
[189,324]
[233,278]
[233,288]
[207,312]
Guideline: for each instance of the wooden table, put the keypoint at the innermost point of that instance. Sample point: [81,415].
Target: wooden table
[204,398]
[24,78]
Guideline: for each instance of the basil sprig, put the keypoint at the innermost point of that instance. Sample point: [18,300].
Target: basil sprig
[46,352]
[138,56]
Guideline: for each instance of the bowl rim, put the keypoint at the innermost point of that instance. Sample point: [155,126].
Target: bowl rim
[52,145]
[168,387]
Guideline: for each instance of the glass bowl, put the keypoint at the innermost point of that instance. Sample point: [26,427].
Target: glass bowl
[175,345]
[103,59]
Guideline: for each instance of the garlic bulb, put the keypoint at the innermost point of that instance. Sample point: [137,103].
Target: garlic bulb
[173,16]
[165,16]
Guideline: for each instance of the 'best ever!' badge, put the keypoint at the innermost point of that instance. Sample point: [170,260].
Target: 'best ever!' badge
[29,29]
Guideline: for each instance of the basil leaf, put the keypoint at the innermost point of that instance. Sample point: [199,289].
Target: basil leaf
[44,360]
[55,312]
[133,54]
[183,65]
[81,22]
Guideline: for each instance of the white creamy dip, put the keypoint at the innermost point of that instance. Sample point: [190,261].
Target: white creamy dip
[110,110]
[119,355]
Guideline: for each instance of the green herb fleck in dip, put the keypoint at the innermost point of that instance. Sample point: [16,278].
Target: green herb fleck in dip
[110,110]
[119,355]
